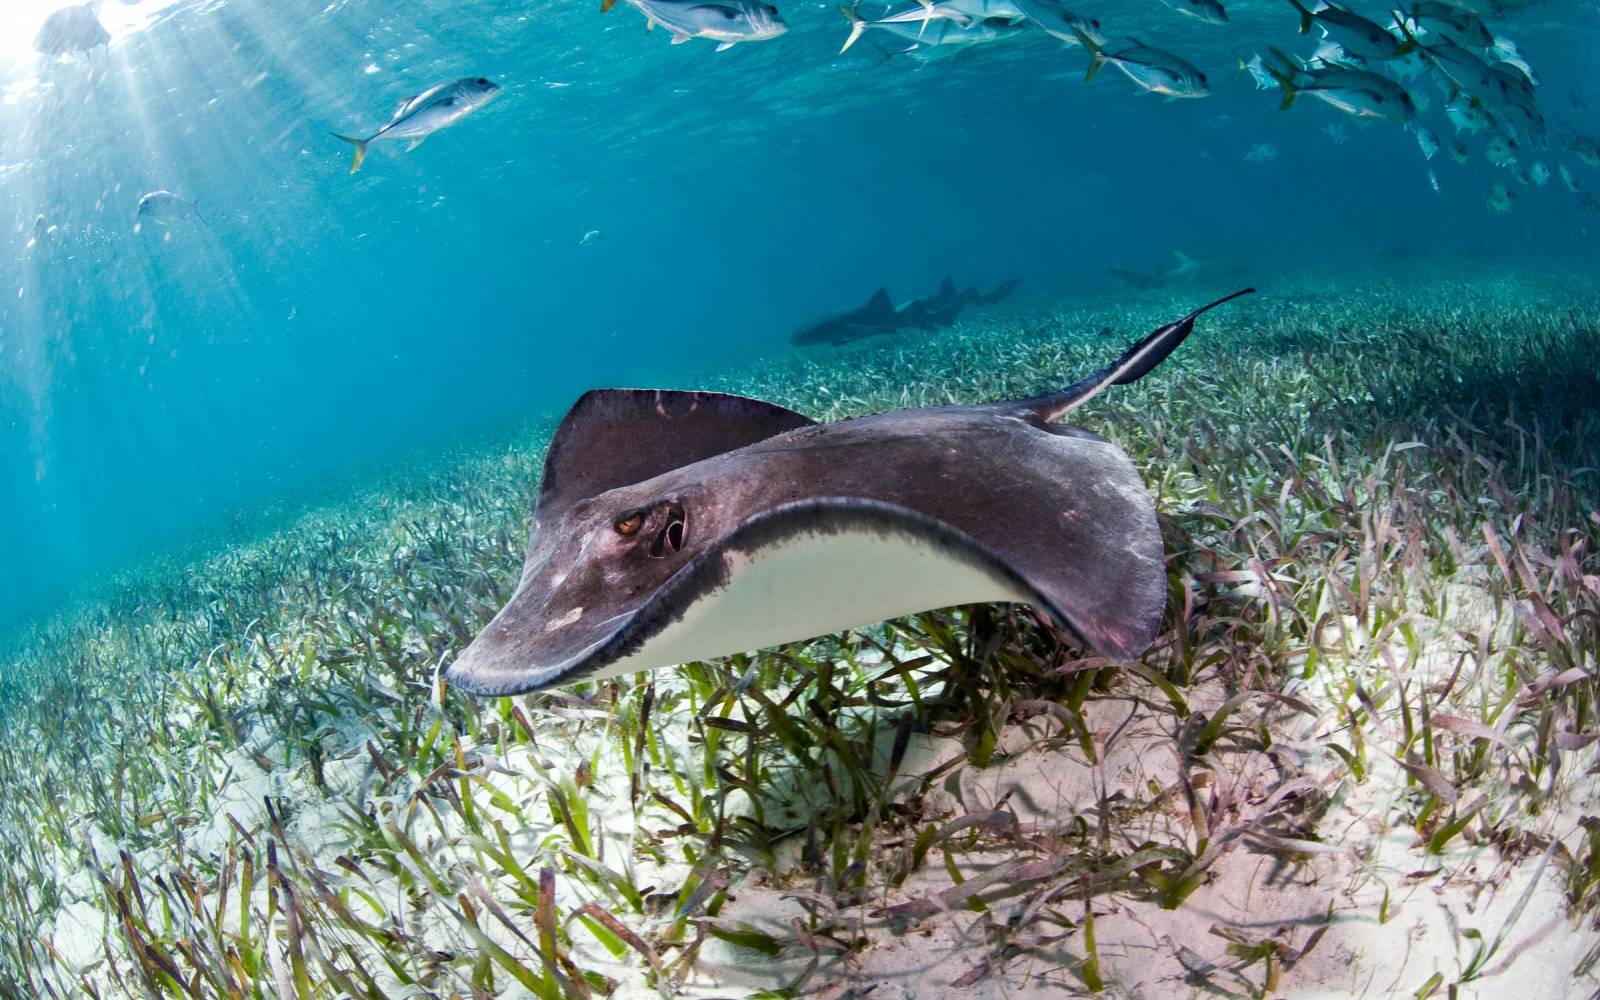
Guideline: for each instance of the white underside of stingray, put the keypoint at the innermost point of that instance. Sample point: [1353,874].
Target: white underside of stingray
[814,583]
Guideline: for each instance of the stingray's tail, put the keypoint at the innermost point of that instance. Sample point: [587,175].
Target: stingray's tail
[1136,362]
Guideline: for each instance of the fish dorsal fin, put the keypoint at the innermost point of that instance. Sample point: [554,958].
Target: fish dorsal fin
[404,108]
[947,287]
[617,437]
[1183,259]
[879,303]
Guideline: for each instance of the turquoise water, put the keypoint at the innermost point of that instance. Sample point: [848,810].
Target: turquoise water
[163,382]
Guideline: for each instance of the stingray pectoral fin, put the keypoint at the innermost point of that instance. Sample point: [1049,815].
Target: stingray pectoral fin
[614,437]
[792,572]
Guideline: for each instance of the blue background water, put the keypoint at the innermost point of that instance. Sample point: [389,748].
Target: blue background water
[159,383]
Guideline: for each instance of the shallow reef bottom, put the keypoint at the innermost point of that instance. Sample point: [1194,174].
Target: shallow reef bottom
[1359,761]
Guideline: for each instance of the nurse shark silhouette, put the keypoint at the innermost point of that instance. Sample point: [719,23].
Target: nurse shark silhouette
[680,526]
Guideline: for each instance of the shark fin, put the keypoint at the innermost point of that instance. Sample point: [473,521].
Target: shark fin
[879,303]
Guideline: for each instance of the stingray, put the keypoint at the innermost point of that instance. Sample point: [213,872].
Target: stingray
[672,527]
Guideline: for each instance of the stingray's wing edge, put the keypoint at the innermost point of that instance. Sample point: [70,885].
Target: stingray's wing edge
[477,671]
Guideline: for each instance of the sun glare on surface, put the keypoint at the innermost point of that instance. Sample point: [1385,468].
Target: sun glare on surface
[20,21]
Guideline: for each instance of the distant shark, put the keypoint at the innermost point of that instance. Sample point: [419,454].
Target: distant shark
[879,316]
[1185,270]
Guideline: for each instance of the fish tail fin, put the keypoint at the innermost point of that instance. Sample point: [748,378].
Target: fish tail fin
[1285,78]
[1097,56]
[858,24]
[1305,16]
[1411,43]
[361,149]
[1290,91]
[1135,363]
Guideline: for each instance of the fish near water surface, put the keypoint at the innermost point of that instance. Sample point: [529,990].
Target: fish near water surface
[1357,35]
[1460,26]
[71,29]
[1209,11]
[680,526]
[1055,20]
[1152,69]
[727,24]
[934,31]
[420,116]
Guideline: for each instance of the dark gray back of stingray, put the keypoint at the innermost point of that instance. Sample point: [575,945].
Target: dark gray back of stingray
[615,437]
[1056,510]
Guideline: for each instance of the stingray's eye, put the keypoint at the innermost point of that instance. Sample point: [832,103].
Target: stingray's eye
[629,523]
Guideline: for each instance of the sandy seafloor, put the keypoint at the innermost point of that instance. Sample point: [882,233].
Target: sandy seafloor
[1359,761]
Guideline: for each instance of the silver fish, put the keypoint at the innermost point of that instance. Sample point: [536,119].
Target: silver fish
[1462,68]
[419,117]
[943,31]
[1586,149]
[1152,69]
[1468,114]
[1500,149]
[1505,50]
[1460,26]
[1059,22]
[956,10]
[166,208]
[1354,33]
[1357,92]
[1209,11]
[1257,68]
[727,24]
[1427,141]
